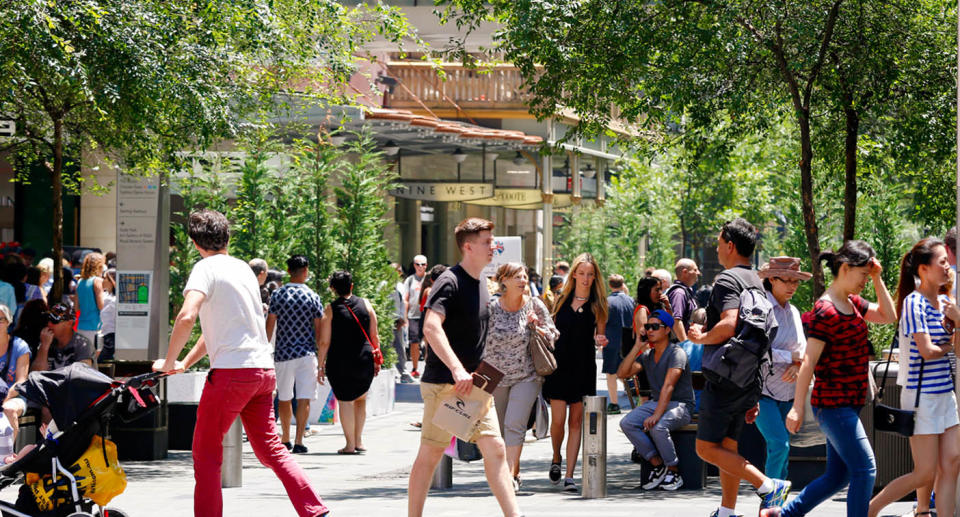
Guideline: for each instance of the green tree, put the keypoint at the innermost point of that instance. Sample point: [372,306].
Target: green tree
[138,80]
[693,63]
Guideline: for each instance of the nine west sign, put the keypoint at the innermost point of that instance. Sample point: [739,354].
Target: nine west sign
[440,191]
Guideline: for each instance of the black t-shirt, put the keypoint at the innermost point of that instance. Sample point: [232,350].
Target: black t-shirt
[726,291]
[462,301]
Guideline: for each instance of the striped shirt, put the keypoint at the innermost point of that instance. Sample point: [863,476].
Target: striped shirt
[921,317]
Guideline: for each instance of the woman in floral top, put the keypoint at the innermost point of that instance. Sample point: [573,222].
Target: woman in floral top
[838,353]
[513,315]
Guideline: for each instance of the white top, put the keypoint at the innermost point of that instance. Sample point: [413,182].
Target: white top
[108,314]
[231,316]
[789,339]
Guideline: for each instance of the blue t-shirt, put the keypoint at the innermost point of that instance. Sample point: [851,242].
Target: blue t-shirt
[920,317]
[619,317]
[296,306]
[20,348]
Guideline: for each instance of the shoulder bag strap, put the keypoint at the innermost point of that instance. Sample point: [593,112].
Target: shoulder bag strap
[376,350]
[883,380]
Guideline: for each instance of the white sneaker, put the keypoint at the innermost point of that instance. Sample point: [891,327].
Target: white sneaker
[671,481]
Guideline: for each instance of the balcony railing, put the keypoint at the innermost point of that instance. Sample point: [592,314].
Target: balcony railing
[488,88]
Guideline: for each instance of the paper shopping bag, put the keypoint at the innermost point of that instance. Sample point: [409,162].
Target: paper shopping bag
[460,415]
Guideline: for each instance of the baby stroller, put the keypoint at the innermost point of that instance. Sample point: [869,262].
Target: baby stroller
[81,401]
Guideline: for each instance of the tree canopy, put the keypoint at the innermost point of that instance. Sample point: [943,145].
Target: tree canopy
[139,80]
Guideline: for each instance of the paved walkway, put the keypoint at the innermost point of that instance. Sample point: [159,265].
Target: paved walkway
[376,483]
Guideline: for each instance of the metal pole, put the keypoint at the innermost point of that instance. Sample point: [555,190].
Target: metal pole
[231,471]
[594,447]
[443,476]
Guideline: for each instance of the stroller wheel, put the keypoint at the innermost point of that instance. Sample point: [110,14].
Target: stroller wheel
[114,512]
[80,514]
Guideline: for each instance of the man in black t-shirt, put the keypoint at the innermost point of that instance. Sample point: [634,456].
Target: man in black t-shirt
[723,411]
[455,325]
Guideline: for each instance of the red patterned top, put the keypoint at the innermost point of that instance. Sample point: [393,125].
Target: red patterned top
[841,372]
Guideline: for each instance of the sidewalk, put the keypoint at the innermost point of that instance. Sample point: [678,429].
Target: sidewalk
[376,483]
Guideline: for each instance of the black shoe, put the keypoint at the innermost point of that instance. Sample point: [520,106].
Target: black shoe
[299,449]
[288,445]
[613,409]
[555,473]
[655,477]
[636,457]
[569,485]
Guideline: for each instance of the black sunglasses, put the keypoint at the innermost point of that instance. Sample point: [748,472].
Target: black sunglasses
[654,326]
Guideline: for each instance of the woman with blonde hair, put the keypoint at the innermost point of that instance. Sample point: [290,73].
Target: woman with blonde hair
[513,317]
[580,314]
[90,297]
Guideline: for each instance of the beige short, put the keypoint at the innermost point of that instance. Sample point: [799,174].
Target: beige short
[432,435]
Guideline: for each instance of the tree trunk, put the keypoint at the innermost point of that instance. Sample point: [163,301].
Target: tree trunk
[806,196]
[56,292]
[850,186]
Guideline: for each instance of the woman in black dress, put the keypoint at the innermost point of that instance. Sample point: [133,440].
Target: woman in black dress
[580,314]
[348,341]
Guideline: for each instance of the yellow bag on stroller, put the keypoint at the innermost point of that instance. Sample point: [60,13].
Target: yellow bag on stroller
[98,475]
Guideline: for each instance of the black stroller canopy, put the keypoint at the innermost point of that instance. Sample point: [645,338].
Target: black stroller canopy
[66,391]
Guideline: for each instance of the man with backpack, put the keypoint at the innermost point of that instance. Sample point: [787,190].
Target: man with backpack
[736,342]
[680,293]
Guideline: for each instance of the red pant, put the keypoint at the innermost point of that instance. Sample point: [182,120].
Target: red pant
[247,392]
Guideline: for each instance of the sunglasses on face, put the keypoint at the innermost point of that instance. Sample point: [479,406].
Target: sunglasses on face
[415,264]
[654,326]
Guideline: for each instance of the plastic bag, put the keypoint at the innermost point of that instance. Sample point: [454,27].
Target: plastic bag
[99,478]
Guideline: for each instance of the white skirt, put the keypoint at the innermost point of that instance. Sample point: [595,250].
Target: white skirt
[935,414]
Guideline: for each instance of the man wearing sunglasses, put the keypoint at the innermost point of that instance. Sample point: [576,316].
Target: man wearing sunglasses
[671,401]
[412,286]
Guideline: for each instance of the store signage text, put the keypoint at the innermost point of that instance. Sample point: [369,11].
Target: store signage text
[440,191]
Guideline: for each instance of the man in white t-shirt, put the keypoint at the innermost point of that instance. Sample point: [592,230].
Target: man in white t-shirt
[224,293]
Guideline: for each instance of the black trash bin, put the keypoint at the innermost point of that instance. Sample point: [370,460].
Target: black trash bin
[146,437]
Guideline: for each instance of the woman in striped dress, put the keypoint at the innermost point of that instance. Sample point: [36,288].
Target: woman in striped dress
[935,443]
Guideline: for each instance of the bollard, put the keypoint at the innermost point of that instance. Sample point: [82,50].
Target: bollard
[231,470]
[443,476]
[594,447]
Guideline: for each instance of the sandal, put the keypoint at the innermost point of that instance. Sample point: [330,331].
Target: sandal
[346,452]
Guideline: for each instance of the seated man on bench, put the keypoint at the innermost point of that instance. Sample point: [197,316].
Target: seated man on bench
[671,400]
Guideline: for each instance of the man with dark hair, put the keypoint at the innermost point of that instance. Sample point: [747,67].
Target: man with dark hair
[562,269]
[619,322]
[671,402]
[60,345]
[723,410]
[680,293]
[552,292]
[295,314]
[455,324]
[222,291]
[950,239]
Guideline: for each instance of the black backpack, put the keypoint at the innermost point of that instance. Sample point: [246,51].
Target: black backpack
[736,363]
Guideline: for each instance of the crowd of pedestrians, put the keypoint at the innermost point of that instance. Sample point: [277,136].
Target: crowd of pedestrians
[270,334]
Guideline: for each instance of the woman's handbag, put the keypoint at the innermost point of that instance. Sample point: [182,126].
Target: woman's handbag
[893,420]
[541,349]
